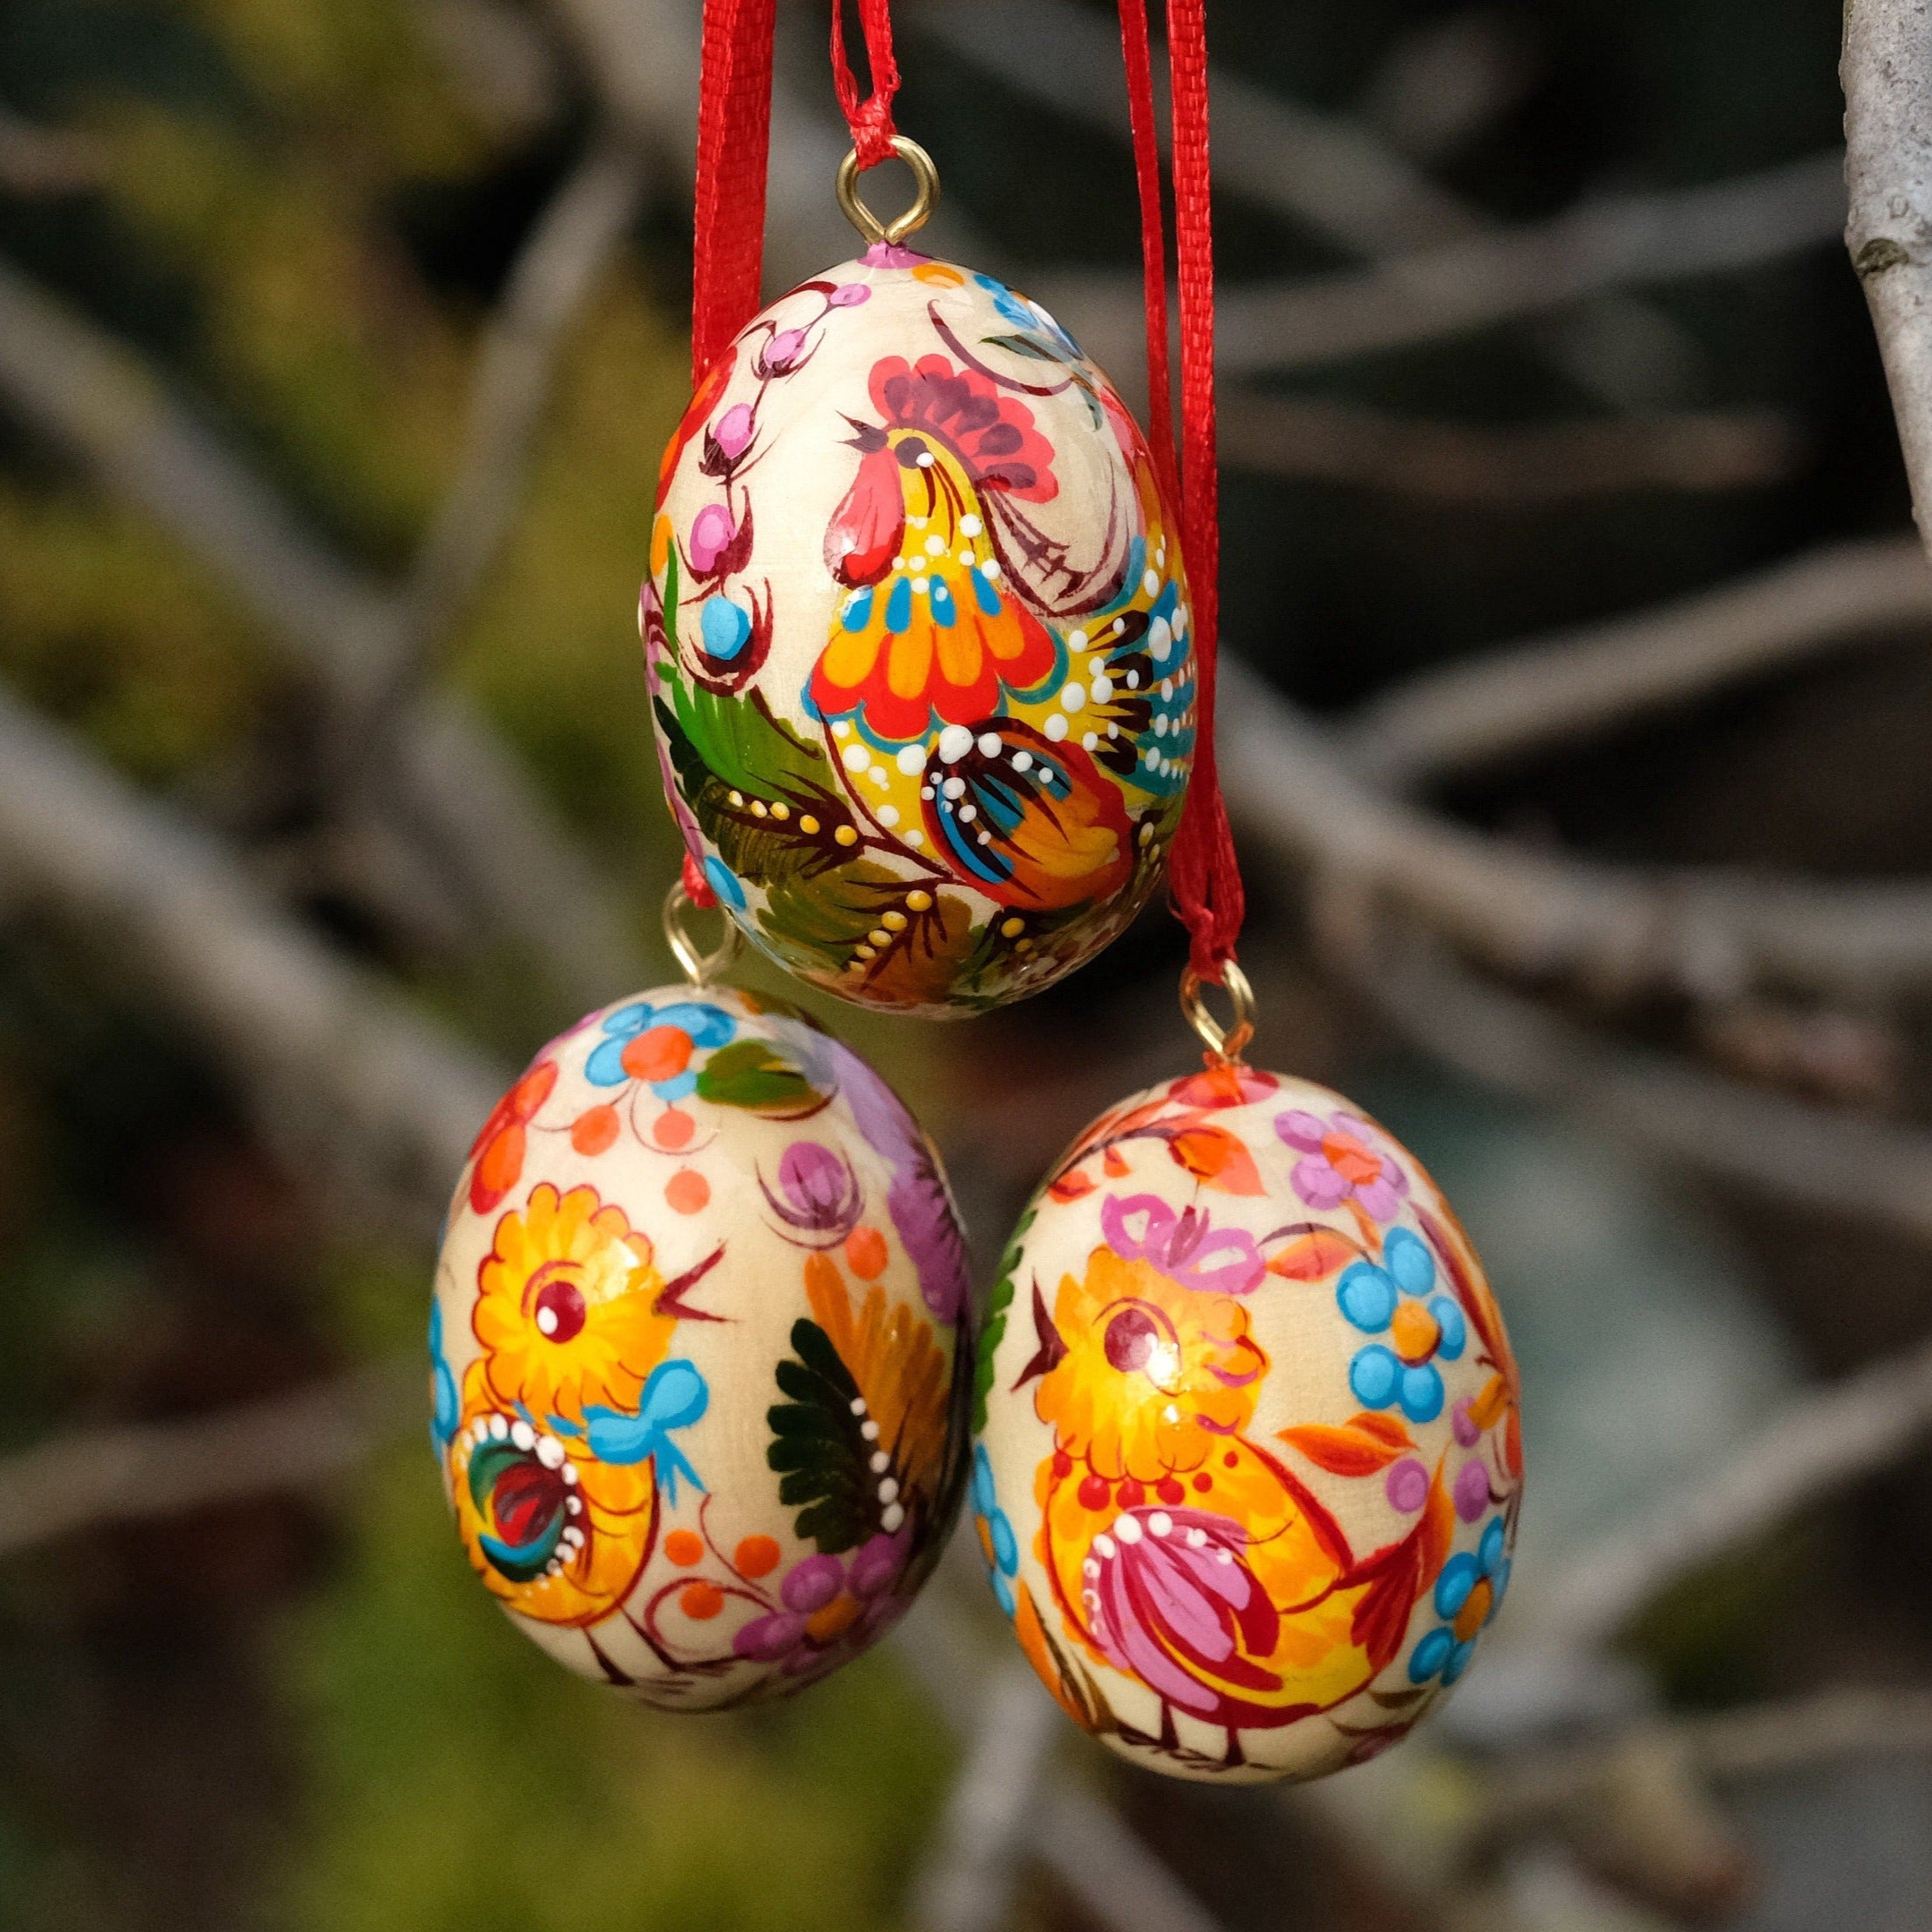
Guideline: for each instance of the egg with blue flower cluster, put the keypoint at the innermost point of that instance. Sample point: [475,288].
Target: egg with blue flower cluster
[696,1351]
[1247,1465]
[919,641]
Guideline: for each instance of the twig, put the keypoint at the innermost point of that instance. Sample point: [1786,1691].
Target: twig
[1612,929]
[555,274]
[1462,286]
[966,1883]
[35,162]
[1536,465]
[1335,176]
[1850,1722]
[1822,1443]
[1533,697]
[1887,71]
[453,783]
[335,1062]
[1838,1164]
[90,1477]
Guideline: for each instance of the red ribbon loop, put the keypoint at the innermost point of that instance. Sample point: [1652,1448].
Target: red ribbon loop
[1204,876]
[870,119]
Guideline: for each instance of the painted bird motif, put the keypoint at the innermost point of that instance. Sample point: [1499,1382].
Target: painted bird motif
[1181,1552]
[1001,710]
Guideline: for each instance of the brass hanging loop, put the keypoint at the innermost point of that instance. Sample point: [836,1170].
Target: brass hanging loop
[925,195]
[700,967]
[1226,1043]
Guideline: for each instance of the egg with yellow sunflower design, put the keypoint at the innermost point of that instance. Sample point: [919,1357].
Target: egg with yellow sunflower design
[1248,1465]
[919,640]
[699,1387]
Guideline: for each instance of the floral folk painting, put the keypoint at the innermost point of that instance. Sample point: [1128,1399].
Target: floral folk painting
[919,640]
[1249,1464]
[699,1385]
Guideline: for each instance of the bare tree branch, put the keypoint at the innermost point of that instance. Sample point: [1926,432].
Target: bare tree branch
[453,783]
[1613,929]
[339,1065]
[1533,697]
[1536,465]
[1836,1163]
[1887,71]
[90,1477]
[554,276]
[1335,176]
[1459,287]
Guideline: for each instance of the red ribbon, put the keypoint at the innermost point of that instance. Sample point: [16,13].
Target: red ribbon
[733,144]
[1203,874]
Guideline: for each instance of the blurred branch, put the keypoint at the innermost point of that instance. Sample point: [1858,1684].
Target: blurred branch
[966,1884]
[89,1477]
[37,162]
[1887,71]
[337,1064]
[1530,697]
[454,785]
[1538,465]
[1822,1443]
[1839,1164]
[1335,177]
[1614,929]
[1457,287]
[506,69]
[553,278]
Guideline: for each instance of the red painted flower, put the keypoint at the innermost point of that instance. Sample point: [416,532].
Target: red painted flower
[498,1151]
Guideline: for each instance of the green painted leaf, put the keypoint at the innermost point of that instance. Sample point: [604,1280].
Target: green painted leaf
[994,1327]
[817,1447]
[756,1075]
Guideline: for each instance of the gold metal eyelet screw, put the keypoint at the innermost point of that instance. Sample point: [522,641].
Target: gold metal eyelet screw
[1226,1043]
[925,195]
[700,967]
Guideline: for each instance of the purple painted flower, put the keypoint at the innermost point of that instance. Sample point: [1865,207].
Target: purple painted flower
[917,1199]
[1211,1261]
[1407,1485]
[1344,1159]
[1471,1491]
[819,1197]
[849,295]
[782,354]
[713,537]
[811,1593]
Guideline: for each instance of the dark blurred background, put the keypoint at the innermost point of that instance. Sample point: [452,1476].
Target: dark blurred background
[1565,519]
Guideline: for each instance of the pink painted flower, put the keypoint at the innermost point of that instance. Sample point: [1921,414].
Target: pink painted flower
[849,295]
[713,533]
[733,433]
[1212,1261]
[1344,1160]
[783,354]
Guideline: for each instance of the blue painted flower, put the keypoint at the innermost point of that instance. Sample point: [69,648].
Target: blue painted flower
[1398,1298]
[1468,1594]
[1024,315]
[656,1044]
[997,1541]
[724,882]
[445,1409]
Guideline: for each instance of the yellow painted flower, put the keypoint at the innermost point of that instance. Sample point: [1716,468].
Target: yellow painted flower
[554,1533]
[569,1309]
[1141,1377]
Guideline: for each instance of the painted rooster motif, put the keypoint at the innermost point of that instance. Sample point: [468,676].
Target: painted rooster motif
[998,706]
[1181,1552]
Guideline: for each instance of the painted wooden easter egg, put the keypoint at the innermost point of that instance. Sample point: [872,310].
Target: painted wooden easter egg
[699,1392]
[919,640]
[1248,1464]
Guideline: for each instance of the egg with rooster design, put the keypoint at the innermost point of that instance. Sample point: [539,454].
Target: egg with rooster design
[698,1376]
[919,640]
[1248,1464]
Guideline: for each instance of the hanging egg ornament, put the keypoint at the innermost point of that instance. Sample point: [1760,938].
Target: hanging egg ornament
[918,637]
[1248,1467]
[699,1379]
